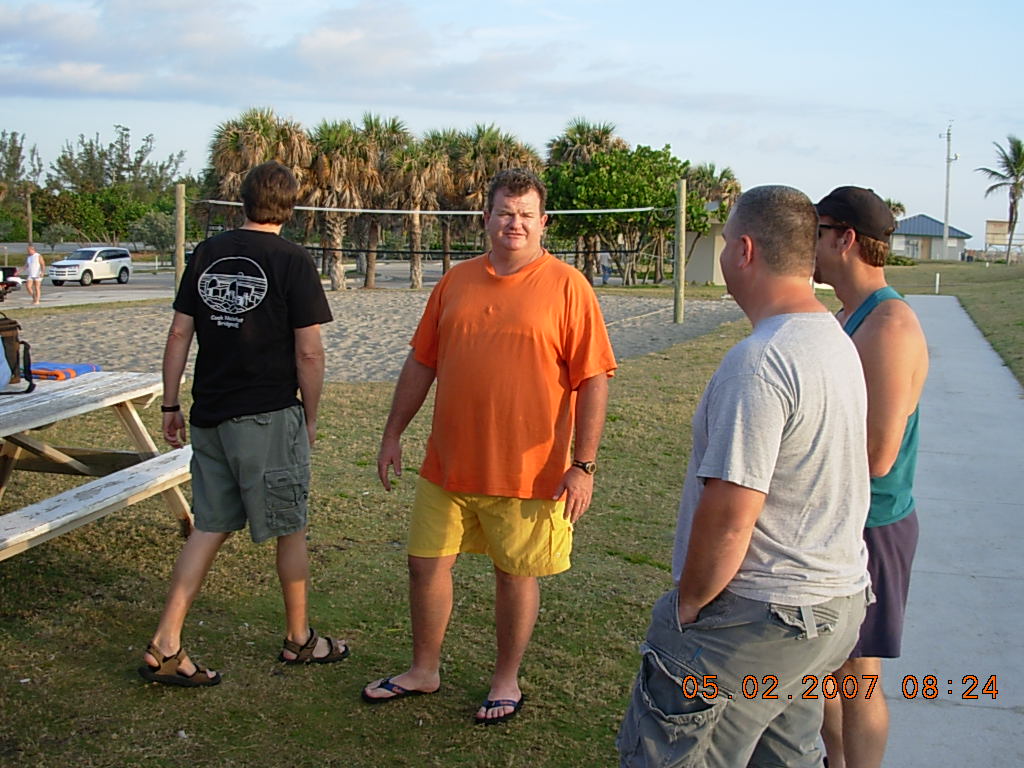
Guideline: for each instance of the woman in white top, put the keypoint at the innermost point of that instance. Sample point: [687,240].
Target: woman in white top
[34,274]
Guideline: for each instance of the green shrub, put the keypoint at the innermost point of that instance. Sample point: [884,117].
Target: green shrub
[892,260]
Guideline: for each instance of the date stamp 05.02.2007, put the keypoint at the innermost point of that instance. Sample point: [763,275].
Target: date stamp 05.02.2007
[970,687]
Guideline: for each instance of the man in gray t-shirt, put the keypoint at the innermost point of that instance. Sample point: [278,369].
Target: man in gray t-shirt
[769,421]
[769,558]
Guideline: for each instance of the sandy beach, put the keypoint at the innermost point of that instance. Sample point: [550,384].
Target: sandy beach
[367,341]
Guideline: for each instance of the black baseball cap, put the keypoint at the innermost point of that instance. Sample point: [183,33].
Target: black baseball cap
[862,209]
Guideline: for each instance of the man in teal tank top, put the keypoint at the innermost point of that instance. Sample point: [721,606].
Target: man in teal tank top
[854,229]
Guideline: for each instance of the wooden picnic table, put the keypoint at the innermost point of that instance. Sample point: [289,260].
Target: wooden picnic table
[121,477]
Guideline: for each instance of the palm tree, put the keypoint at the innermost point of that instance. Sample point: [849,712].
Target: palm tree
[419,169]
[336,176]
[254,137]
[1008,175]
[712,186]
[381,138]
[447,146]
[581,139]
[898,209]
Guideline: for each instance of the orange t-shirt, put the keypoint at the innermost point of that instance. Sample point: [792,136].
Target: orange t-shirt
[509,352]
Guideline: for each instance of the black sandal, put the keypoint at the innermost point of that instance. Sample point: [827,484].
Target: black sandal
[304,653]
[168,673]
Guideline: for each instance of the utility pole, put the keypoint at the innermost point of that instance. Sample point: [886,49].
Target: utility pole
[949,161]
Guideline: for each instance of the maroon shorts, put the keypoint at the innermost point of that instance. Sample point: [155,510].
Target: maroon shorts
[890,554]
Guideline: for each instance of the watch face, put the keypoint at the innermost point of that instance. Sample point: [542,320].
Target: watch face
[590,467]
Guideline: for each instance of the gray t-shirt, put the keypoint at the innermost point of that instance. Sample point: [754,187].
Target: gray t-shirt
[786,414]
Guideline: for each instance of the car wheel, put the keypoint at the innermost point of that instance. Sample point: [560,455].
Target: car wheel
[58,283]
[122,276]
[86,278]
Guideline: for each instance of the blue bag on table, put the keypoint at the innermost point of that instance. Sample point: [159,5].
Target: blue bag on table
[61,371]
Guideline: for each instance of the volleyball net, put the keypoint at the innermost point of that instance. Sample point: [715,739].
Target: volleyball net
[635,243]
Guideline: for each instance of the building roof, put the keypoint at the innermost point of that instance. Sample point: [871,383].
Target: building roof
[923,225]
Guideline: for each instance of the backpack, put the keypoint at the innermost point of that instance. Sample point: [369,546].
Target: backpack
[14,348]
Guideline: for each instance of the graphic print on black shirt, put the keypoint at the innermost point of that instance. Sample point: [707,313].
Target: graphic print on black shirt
[233,285]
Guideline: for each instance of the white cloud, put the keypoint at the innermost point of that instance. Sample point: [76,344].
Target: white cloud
[91,78]
[34,27]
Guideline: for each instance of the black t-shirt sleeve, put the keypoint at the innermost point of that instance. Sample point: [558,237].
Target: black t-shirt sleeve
[187,296]
[307,303]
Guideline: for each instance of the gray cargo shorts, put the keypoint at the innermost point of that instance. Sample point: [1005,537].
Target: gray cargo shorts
[740,686]
[252,469]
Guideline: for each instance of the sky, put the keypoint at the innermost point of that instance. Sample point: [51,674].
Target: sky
[809,94]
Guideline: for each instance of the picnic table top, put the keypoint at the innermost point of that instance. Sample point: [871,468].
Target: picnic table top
[58,400]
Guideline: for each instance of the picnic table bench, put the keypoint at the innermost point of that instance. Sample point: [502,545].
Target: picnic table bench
[121,477]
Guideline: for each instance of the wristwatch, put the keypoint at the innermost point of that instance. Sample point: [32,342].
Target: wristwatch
[590,467]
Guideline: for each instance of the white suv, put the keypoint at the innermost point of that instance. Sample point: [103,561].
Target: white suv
[90,265]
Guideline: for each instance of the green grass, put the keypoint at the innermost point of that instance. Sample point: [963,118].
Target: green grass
[665,290]
[992,296]
[76,612]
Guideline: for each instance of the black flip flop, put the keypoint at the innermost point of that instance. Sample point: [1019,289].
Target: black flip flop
[394,688]
[494,703]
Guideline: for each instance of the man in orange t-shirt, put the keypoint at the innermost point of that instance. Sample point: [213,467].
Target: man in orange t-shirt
[518,346]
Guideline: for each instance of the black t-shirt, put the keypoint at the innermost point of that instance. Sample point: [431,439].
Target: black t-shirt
[247,291]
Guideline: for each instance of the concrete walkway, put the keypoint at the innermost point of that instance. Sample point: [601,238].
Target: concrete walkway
[967,590]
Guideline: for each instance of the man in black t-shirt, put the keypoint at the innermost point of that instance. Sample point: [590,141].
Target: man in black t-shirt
[255,304]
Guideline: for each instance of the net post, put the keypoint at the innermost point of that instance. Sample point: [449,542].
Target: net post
[179,234]
[679,268]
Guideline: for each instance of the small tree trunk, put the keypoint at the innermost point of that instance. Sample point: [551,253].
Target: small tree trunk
[629,270]
[446,245]
[593,245]
[415,257]
[335,258]
[659,261]
[372,237]
[580,250]
[693,244]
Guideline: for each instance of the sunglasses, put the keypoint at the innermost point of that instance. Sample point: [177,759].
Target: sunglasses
[837,227]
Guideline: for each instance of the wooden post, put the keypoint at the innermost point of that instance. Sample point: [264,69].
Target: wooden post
[179,234]
[679,270]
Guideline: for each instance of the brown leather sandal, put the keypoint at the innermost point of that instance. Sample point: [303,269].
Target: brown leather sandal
[167,673]
[304,653]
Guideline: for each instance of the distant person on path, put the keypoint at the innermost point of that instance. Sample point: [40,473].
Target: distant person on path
[606,266]
[853,242]
[769,560]
[255,303]
[33,271]
[517,344]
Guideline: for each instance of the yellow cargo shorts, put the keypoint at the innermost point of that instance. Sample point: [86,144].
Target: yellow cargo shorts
[523,537]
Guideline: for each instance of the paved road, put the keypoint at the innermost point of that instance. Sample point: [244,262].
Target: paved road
[965,613]
[146,285]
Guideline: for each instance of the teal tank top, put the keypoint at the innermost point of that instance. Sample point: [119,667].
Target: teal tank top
[892,496]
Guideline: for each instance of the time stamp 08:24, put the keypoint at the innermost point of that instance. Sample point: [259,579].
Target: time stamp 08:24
[968,688]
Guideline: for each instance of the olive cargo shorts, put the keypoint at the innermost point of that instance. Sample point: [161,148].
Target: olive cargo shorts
[254,469]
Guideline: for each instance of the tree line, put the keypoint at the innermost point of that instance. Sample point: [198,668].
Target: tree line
[377,163]
[114,192]
[92,192]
